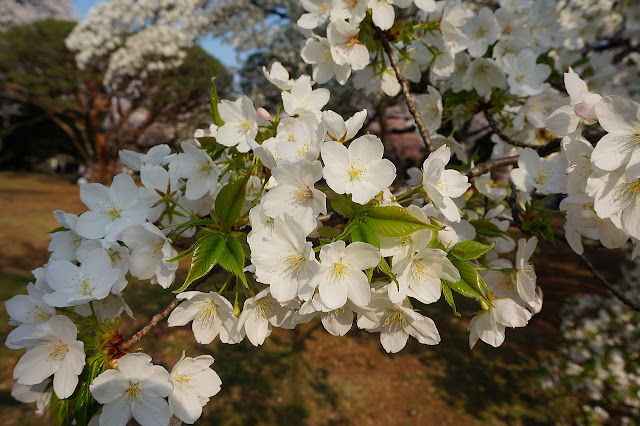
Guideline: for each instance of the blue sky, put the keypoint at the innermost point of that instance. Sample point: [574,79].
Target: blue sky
[224,52]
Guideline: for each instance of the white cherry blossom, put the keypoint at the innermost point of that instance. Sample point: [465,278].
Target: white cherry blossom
[55,351]
[211,314]
[194,382]
[341,275]
[358,170]
[136,389]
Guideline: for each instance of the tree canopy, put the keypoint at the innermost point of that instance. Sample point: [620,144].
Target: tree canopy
[39,71]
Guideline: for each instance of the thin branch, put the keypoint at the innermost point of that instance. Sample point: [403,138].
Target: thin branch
[496,129]
[164,313]
[422,129]
[513,202]
[490,165]
[606,283]
[498,163]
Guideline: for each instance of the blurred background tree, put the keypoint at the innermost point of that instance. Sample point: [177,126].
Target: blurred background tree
[18,12]
[42,84]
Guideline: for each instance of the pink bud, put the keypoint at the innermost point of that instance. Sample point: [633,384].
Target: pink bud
[586,108]
[264,114]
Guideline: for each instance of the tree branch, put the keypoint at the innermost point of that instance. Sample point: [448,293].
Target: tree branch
[165,312]
[497,163]
[424,133]
[617,293]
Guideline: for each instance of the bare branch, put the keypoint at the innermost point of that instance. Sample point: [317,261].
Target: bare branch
[597,275]
[424,133]
[498,163]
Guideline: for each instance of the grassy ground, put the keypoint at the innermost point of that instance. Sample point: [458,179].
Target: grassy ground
[306,376]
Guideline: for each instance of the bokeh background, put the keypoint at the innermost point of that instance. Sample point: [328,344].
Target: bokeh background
[51,111]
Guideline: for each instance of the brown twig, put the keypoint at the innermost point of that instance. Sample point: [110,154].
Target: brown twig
[513,202]
[422,129]
[164,313]
[497,163]
[597,275]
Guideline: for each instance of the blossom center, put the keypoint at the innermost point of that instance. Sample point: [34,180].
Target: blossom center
[356,170]
[264,307]
[292,264]
[339,271]
[58,351]
[182,381]
[543,175]
[396,322]
[206,313]
[112,211]
[304,194]
[132,392]
[86,286]
[37,315]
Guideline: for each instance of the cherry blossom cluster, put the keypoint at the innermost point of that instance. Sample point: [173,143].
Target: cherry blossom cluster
[326,238]
[296,215]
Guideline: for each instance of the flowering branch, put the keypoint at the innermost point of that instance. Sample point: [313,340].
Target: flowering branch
[422,129]
[165,312]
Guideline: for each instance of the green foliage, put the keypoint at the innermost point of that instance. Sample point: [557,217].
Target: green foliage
[470,250]
[448,296]
[213,104]
[471,283]
[205,256]
[230,200]
[364,233]
[393,221]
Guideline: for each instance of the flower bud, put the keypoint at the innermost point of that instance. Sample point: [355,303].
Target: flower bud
[263,114]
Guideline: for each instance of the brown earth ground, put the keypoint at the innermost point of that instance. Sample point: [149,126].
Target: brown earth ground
[306,376]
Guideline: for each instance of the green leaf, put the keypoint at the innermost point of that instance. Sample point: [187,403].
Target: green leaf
[364,233]
[342,205]
[213,105]
[470,250]
[232,258]
[230,201]
[207,142]
[59,409]
[191,223]
[58,229]
[486,228]
[205,256]
[85,406]
[446,290]
[384,267]
[392,221]
[471,283]
[328,231]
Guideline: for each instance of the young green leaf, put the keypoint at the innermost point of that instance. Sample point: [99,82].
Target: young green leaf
[486,228]
[328,231]
[205,256]
[393,221]
[232,258]
[384,267]
[470,250]
[230,200]
[213,105]
[364,233]
[446,290]
[470,284]
[342,204]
